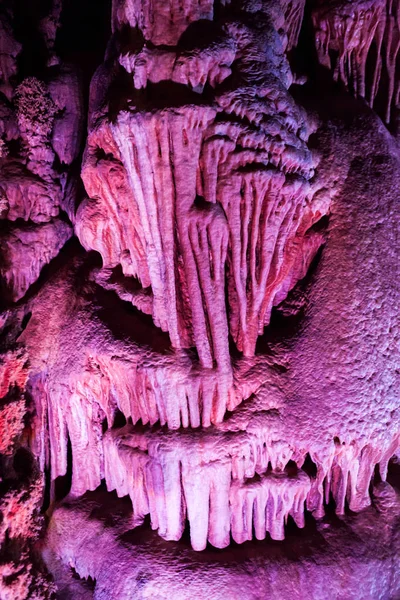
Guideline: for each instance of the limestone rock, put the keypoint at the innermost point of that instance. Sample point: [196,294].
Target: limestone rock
[215,354]
[24,252]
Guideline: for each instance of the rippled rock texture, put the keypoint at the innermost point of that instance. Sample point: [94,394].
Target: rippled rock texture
[199,269]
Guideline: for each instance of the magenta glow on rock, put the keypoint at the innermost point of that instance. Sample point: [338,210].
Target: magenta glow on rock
[199,326]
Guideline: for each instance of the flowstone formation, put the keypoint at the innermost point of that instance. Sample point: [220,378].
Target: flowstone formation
[360,43]
[214,356]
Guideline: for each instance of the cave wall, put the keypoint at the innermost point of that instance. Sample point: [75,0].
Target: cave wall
[198,267]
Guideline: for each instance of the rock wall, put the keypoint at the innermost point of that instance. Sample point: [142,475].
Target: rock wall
[360,43]
[219,340]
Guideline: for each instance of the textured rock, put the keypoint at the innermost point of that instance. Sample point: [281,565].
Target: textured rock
[215,489]
[364,38]
[66,94]
[24,251]
[222,353]
[359,559]
[26,196]
[207,188]
[294,13]
[21,575]
[287,415]
[158,22]
[40,129]
[46,120]
[13,372]
[9,51]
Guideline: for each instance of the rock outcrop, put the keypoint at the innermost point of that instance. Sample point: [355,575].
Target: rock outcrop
[218,344]
[40,137]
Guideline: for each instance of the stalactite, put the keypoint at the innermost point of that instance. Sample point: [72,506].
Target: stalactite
[230,485]
[166,161]
[364,35]
[178,357]
[294,13]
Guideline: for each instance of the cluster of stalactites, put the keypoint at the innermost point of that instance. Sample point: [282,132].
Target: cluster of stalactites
[222,484]
[294,12]
[216,197]
[237,486]
[245,236]
[160,22]
[360,42]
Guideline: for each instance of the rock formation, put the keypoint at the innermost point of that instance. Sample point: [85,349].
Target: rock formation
[360,42]
[214,356]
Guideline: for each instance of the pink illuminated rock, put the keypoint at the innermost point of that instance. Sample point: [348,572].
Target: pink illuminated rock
[294,13]
[9,51]
[24,251]
[35,113]
[40,129]
[13,373]
[204,214]
[200,475]
[65,91]
[25,196]
[208,190]
[195,68]
[216,488]
[215,355]
[48,28]
[355,560]
[365,35]
[20,497]
[161,23]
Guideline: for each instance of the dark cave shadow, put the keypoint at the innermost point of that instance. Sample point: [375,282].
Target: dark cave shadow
[128,323]
[284,326]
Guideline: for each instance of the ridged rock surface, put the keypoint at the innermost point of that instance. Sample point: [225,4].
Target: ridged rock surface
[214,186]
[309,403]
[199,326]
[360,42]
[24,252]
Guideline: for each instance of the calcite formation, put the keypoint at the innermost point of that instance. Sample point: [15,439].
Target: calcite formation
[41,128]
[214,355]
[356,560]
[213,176]
[26,250]
[360,42]
[21,489]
